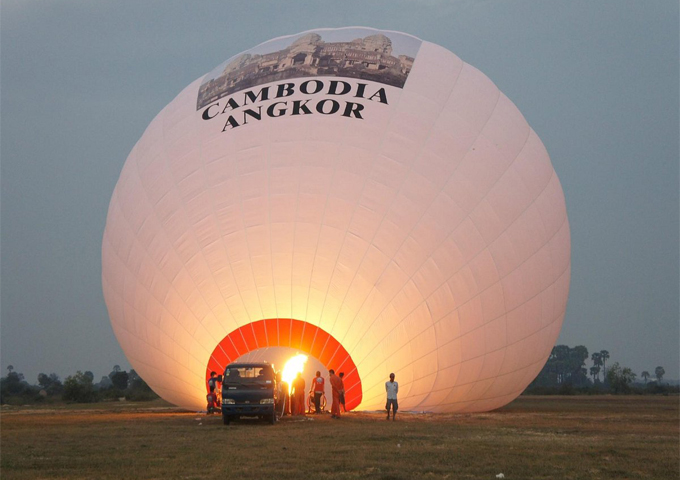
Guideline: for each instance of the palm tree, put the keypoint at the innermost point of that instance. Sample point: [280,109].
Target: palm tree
[561,353]
[595,372]
[604,354]
[597,362]
[658,373]
[645,375]
[10,368]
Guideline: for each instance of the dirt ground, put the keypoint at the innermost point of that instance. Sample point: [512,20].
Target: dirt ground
[580,437]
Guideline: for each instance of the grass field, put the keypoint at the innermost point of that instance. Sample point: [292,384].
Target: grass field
[598,437]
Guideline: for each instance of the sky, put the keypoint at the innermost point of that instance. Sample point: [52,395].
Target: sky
[80,81]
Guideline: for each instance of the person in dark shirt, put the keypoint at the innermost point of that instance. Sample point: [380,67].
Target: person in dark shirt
[298,395]
[342,394]
[338,387]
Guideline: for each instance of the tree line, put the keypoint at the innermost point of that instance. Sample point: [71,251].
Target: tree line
[77,388]
[566,372]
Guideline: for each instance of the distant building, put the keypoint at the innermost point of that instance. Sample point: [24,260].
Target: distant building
[368,58]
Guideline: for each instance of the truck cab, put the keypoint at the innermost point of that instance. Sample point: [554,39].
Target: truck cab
[248,390]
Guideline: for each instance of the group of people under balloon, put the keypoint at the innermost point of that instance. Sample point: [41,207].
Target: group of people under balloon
[295,402]
[292,401]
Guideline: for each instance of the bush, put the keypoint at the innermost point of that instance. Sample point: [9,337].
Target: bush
[654,388]
[139,391]
[620,378]
[14,390]
[79,388]
[119,380]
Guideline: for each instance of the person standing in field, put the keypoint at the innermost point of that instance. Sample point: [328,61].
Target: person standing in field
[298,396]
[211,398]
[212,381]
[392,388]
[342,394]
[214,385]
[318,385]
[338,388]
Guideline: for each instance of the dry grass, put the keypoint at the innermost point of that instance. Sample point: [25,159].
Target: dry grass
[534,437]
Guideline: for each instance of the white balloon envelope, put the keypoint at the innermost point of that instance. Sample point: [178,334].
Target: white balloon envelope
[361,196]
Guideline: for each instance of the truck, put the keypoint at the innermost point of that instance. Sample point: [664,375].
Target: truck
[249,390]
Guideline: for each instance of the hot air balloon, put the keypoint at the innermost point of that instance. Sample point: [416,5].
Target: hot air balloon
[359,196]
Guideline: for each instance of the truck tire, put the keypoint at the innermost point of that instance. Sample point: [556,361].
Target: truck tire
[272,418]
[226,419]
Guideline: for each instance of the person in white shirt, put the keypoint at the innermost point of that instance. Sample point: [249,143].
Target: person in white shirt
[392,388]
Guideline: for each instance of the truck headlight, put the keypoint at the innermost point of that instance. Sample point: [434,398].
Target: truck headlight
[266,401]
[228,401]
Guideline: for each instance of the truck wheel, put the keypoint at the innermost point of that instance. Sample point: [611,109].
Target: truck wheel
[226,419]
[272,418]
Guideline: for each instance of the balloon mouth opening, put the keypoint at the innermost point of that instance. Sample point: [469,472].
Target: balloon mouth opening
[255,341]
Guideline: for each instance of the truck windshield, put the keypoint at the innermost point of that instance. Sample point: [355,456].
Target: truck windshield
[248,375]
